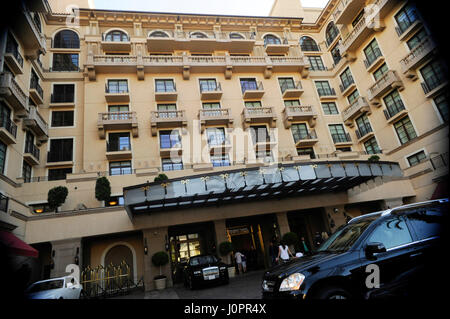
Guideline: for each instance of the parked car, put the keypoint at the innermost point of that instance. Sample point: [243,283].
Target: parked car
[204,269]
[56,288]
[404,245]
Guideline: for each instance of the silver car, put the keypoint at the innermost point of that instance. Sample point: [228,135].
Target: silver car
[66,287]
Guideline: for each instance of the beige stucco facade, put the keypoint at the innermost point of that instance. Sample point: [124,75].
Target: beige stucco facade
[140,63]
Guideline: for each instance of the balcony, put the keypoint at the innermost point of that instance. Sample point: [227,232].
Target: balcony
[13,59]
[115,45]
[32,154]
[309,139]
[290,90]
[116,96]
[257,115]
[347,86]
[347,10]
[117,121]
[211,93]
[343,139]
[299,113]
[395,112]
[116,151]
[11,92]
[364,132]
[167,119]
[62,100]
[373,62]
[168,95]
[327,93]
[253,90]
[358,107]
[416,57]
[277,48]
[36,92]
[386,83]
[215,117]
[59,158]
[8,130]
[433,85]
[29,34]
[37,124]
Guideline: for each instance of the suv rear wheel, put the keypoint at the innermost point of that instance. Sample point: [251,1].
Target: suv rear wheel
[332,292]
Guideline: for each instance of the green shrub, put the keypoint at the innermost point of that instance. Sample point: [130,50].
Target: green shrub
[374,158]
[159,259]
[102,189]
[57,196]
[161,178]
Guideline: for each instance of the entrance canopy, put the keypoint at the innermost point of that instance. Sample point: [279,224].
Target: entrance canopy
[257,183]
[17,246]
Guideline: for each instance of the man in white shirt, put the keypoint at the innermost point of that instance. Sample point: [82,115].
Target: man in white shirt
[238,257]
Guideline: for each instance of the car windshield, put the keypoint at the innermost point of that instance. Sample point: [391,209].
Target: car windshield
[344,238]
[47,285]
[201,260]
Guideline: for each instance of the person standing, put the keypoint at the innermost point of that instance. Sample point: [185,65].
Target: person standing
[272,253]
[304,246]
[238,257]
[244,263]
[317,239]
[284,253]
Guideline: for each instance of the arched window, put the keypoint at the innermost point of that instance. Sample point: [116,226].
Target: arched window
[66,39]
[116,36]
[271,39]
[197,35]
[235,35]
[331,32]
[308,44]
[158,34]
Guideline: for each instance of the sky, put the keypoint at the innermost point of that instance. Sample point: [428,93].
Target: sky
[225,7]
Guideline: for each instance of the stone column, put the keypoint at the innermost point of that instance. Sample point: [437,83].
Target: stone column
[283,223]
[221,236]
[63,254]
[156,241]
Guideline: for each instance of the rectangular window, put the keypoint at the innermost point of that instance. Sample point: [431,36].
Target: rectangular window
[117,86]
[394,103]
[61,150]
[62,118]
[166,85]
[417,39]
[353,97]
[286,84]
[65,62]
[371,146]
[2,157]
[358,18]
[441,102]
[265,156]
[211,106]
[316,63]
[382,70]
[346,79]
[55,174]
[169,139]
[172,164]
[63,93]
[118,142]
[406,17]
[306,151]
[253,104]
[336,54]
[324,89]
[416,158]
[220,160]
[372,52]
[405,130]
[338,133]
[208,85]
[299,132]
[291,102]
[330,108]
[115,201]
[118,108]
[26,172]
[215,136]
[363,124]
[259,134]
[120,168]
[433,74]
[248,84]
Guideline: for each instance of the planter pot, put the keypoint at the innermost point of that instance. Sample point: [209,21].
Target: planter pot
[231,272]
[160,284]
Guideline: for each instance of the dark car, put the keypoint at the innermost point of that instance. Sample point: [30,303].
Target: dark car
[396,252]
[204,269]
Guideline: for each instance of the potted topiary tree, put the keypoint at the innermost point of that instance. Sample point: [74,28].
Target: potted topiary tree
[225,249]
[102,189]
[373,158]
[291,239]
[57,196]
[160,259]
[161,178]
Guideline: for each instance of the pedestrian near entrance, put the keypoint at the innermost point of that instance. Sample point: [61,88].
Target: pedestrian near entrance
[244,263]
[304,246]
[238,256]
[283,253]
[272,253]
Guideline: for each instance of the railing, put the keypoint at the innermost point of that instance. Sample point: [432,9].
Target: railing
[394,109]
[372,58]
[9,125]
[34,115]
[432,82]
[12,49]
[33,150]
[346,83]
[383,82]
[252,86]
[115,91]
[116,116]
[58,157]
[117,147]
[4,203]
[161,59]
[258,111]
[7,80]
[214,113]
[354,33]
[363,130]
[206,59]
[326,91]
[115,59]
[210,88]
[293,110]
[311,135]
[291,86]
[287,60]
[417,53]
[62,98]
[35,85]
[341,138]
[163,115]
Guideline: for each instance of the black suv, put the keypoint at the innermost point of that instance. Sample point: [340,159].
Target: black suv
[397,252]
[204,269]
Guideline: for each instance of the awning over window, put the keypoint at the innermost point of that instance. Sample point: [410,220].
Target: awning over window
[220,188]
[17,246]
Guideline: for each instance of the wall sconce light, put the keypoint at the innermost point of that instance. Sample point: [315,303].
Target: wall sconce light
[167,244]
[145,246]
[335,210]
